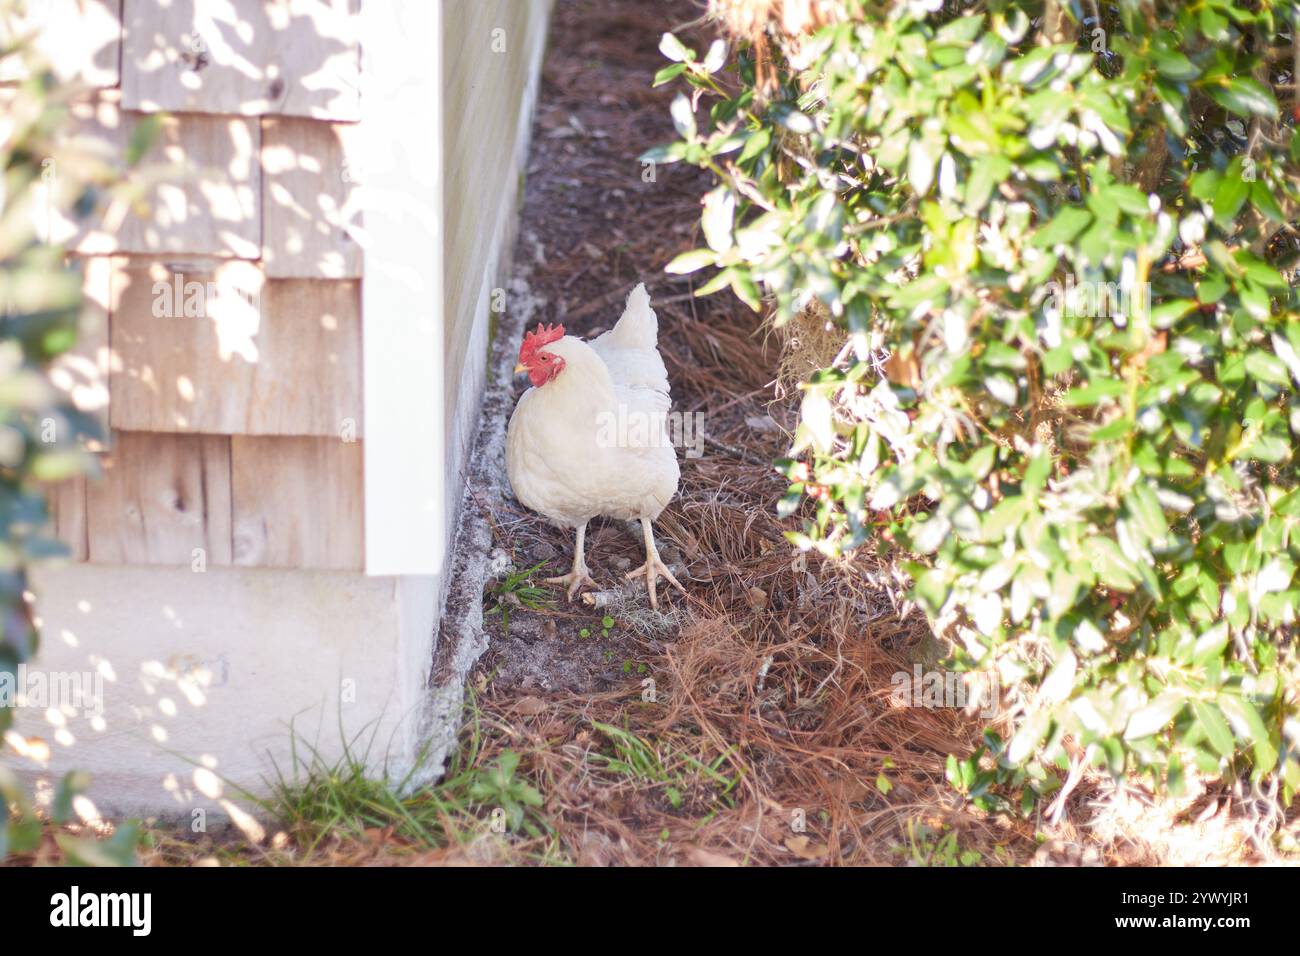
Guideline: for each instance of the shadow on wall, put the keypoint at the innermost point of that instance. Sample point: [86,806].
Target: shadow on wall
[185,687]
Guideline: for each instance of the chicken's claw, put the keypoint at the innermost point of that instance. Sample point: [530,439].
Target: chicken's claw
[574,581]
[651,571]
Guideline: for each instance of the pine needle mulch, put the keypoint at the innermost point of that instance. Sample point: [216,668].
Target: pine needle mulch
[751,722]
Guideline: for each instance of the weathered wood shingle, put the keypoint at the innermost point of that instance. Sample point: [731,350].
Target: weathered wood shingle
[203,183]
[211,346]
[163,499]
[297,502]
[245,57]
[311,210]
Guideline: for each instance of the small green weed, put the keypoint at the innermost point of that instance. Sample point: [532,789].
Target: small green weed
[514,591]
[677,774]
[935,846]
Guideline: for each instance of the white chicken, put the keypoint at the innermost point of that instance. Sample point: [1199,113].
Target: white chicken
[590,437]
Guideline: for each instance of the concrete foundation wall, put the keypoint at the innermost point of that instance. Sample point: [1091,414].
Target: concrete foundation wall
[201,674]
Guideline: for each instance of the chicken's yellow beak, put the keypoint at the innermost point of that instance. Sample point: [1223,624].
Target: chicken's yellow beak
[521,367]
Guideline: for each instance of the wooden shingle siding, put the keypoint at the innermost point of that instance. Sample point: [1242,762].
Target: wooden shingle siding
[246,57]
[83,371]
[310,209]
[163,499]
[311,383]
[206,346]
[81,40]
[221,341]
[235,417]
[298,502]
[67,506]
[205,192]
[172,381]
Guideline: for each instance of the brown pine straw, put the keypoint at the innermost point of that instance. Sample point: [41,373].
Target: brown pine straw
[783,22]
[786,18]
[778,664]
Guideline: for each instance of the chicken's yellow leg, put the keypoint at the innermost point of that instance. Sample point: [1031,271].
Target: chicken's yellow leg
[580,574]
[654,565]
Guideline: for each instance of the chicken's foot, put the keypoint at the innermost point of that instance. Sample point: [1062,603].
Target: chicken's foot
[654,565]
[581,574]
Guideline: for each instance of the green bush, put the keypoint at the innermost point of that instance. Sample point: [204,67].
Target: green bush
[1061,250]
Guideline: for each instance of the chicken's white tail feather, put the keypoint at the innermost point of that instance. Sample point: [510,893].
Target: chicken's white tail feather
[629,350]
[638,328]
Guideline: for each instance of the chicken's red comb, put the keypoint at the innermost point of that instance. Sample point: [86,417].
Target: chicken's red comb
[543,335]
